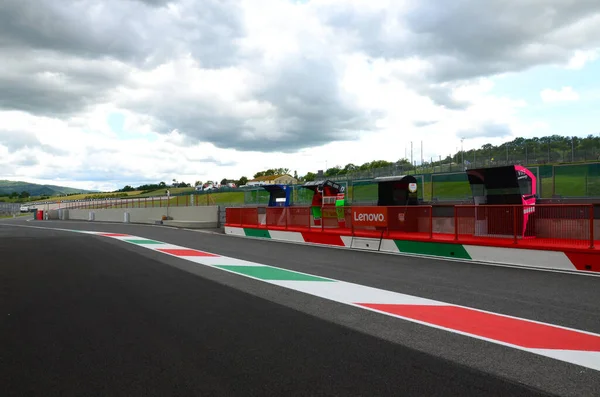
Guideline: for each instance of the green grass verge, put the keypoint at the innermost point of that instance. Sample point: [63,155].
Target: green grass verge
[442,190]
[18,215]
[223,198]
[567,186]
[82,196]
[162,192]
[571,181]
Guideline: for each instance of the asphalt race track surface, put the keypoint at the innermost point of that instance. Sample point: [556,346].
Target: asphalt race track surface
[85,315]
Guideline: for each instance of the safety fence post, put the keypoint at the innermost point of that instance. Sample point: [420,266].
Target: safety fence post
[515,223]
[431,222]
[592,226]
[455,223]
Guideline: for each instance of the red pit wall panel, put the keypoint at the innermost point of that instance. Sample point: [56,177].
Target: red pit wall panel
[323,238]
[585,261]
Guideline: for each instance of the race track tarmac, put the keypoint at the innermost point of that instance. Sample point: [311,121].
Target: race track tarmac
[83,315]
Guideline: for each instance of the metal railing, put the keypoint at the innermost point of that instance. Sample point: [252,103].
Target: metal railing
[542,226]
[142,202]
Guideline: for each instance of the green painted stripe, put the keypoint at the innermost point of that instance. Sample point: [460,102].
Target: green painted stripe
[143,241]
[263,233]
[446,250]
[271,273]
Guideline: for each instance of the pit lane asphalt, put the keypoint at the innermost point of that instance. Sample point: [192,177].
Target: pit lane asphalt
[562,299]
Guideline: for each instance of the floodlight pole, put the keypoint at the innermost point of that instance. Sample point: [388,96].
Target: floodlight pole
[462,152]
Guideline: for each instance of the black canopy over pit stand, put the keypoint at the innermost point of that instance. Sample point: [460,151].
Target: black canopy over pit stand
[397,193]
[513,190]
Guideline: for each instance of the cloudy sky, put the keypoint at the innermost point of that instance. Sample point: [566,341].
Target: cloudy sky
[102,94]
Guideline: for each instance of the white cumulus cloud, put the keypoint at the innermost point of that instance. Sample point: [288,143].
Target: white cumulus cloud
[565,94]
[223,88]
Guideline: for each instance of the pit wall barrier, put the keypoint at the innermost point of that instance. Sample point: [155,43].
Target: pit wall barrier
[189,217]
[557,237]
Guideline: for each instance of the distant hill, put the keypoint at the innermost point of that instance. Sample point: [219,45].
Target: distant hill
[7,187]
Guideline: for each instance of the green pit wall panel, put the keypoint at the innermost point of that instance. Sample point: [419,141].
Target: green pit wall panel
[262,233]
[445,250]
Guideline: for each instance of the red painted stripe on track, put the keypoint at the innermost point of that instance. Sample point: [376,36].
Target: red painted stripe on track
[185,252]
[114,235]
[496,327]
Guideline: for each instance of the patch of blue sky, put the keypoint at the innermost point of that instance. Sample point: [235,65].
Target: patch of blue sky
[577,117]
[116,122]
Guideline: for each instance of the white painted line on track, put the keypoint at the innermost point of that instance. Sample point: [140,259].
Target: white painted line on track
[321,246]
[584,352]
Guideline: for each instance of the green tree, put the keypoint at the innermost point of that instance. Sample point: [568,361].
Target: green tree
[333,171]
[349,168]
[272,171]
[310,176]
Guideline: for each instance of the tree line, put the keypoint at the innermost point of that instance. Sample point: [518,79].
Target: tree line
[538,150]
[548,149]
[15,195]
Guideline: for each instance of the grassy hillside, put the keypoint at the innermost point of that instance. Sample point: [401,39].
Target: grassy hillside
[172,190]
[8,187]
[88,196]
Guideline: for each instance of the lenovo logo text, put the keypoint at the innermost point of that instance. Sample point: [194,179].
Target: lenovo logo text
[369,217]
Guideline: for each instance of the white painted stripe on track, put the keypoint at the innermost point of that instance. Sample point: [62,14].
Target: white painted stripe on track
[393,250]
[341,291]
[586,359]
[158,246]
[373,295]
[350,293]
[220,261]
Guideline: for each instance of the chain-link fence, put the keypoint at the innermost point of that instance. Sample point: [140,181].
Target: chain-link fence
[570,180]
[366,191]
[259,196]
[471,159]
[577,180]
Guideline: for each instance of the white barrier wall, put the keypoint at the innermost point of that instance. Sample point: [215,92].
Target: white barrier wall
[205,217]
